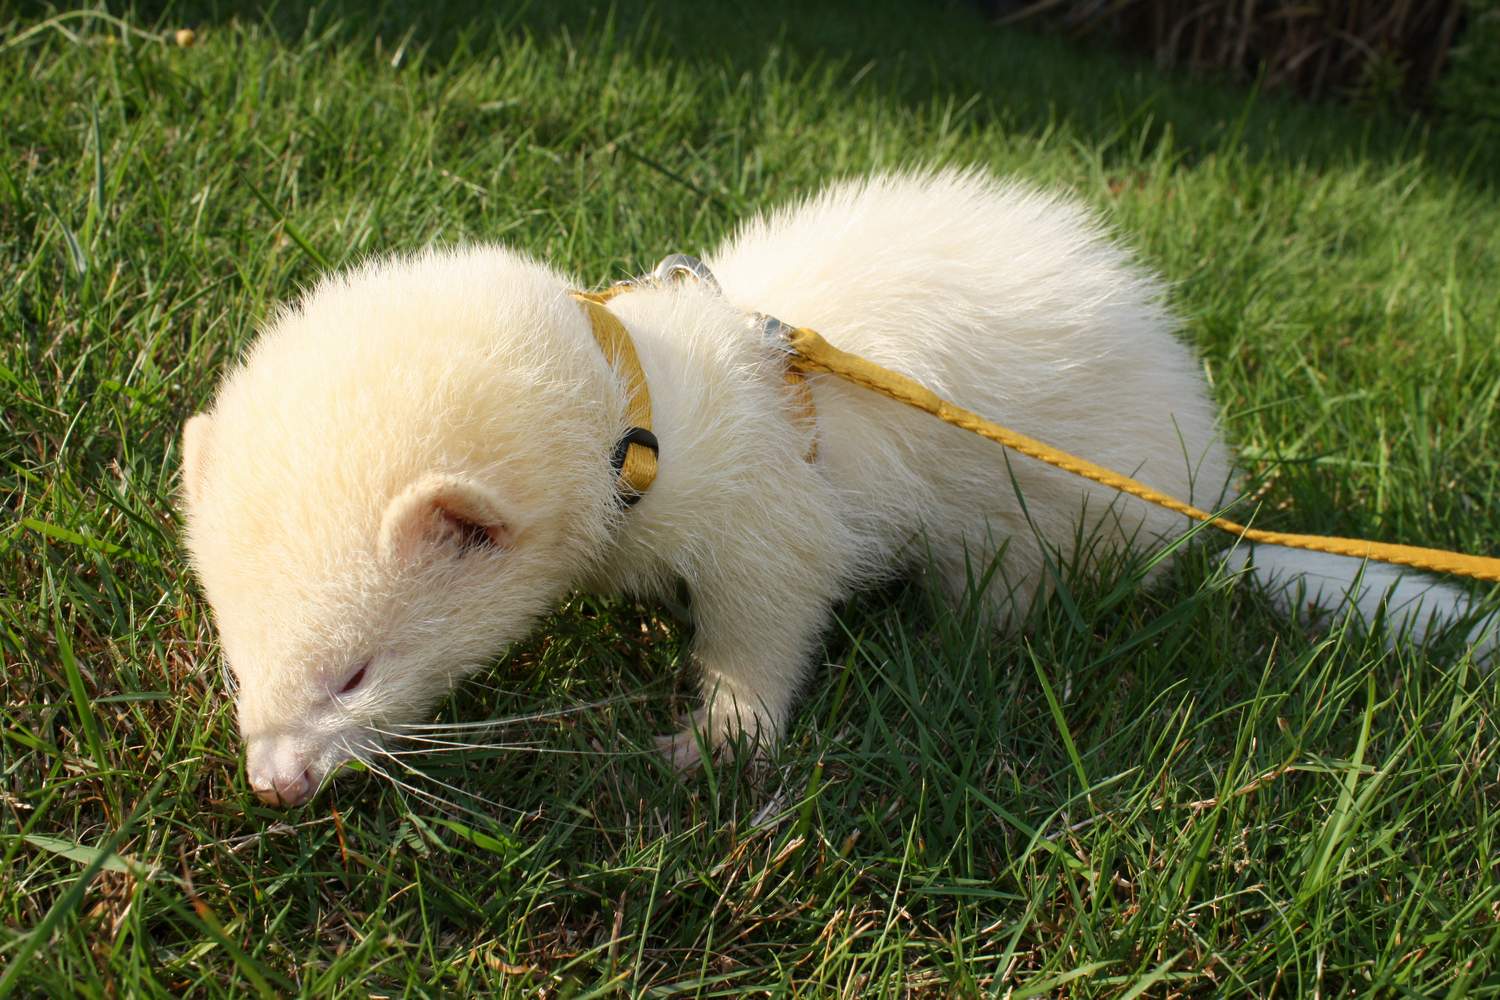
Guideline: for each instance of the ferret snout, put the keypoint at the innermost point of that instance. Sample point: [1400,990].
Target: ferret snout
[280,773]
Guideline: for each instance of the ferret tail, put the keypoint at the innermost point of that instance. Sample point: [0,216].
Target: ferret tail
[1417,607]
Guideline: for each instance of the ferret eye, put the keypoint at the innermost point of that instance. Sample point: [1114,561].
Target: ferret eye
[355,679]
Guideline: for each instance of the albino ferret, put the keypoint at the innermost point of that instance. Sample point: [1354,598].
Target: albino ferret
[413,463]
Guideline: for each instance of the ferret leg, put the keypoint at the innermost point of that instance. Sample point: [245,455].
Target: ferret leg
[753,643]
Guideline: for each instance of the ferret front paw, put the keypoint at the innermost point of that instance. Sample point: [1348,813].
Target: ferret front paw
[682,749]
[718,732]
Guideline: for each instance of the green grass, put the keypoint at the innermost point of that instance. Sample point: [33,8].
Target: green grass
[1150,793]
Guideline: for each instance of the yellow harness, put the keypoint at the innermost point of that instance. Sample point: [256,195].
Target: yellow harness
[634,458]
[809,353]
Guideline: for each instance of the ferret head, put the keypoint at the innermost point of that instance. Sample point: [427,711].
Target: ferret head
[407,470]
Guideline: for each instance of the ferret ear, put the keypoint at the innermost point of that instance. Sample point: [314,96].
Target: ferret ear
[444,512]
[195,435]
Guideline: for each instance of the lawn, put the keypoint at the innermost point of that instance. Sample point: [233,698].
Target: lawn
[1161,791]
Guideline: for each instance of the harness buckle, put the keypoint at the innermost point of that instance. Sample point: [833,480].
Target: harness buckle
[773,332]
[674,267]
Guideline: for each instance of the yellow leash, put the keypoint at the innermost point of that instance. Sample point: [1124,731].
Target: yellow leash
[811,353]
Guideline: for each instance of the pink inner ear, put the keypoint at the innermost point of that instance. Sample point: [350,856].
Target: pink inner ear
[471,534]
[442,511]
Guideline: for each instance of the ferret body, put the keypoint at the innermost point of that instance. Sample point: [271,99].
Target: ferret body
[413,464]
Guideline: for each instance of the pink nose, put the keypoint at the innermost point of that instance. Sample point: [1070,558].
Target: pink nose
[279,769]
[285,791]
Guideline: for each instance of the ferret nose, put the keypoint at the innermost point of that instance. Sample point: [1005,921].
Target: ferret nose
[282,791]
[277,773]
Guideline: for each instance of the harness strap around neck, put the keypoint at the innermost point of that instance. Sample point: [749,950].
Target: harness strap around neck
[634,457]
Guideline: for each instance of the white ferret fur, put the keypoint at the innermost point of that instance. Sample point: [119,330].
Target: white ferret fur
[412,464]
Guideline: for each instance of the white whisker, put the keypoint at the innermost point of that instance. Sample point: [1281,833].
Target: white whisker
[436,739]
[444,746]
[435,742]
[456,790]
[435,746]
[227,676]
[433,798]
[516,719]
[383,774]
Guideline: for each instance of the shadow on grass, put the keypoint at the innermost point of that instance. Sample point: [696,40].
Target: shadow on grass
[910,53]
